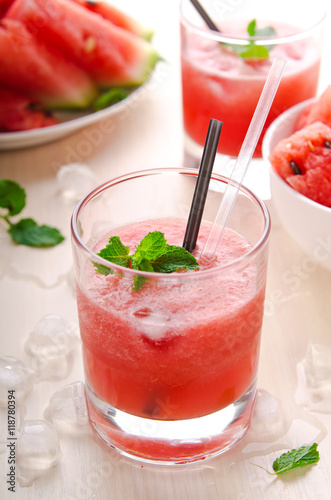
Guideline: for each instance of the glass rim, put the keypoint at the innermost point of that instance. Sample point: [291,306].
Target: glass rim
[242,40]
[170,277]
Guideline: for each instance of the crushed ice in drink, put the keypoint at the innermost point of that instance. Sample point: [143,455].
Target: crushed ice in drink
[268,419]
[67,410]
[50,346]
[75,180]
[154,324]
[14,376]
[314,379]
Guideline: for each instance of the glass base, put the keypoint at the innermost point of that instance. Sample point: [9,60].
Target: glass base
[257,177]
[171,442]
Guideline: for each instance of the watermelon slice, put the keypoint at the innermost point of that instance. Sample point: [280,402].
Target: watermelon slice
[317,111]
[117,17]
[21,113]
[303,160]
[111,55]
[4,5]
[30,67]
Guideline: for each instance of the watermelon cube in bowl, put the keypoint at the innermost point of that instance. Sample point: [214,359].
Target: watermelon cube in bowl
[300,180]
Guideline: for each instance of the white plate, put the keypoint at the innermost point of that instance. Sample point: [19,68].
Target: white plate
[70,122]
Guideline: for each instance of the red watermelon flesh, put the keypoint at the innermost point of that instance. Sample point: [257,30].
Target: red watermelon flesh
[320,111]
[307,152]
[22,113]
[116,17]
[111,55]
[4,5]
[38,71]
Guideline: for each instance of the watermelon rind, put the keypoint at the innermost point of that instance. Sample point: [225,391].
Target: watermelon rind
[111,55]
[38,71]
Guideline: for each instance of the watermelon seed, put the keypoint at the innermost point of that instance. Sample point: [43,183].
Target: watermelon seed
[295,168]
[327,144]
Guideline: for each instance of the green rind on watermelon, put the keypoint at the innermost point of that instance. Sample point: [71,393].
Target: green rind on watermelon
[19,113]
[117,17]
[38,71]
[112,56]
[307,152]
[319,110]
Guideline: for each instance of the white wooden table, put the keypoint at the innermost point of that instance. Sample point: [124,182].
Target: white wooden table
[39,282]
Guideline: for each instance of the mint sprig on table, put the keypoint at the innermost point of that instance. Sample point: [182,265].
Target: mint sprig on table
[295,458]
[298,457]
[254,50]
[153,254]
[25,231]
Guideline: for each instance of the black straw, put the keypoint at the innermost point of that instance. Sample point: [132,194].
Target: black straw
[210,23]
[201,188]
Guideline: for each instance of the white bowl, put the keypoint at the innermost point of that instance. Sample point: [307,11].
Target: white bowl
[306,221]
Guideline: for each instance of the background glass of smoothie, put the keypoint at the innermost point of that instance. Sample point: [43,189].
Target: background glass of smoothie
[171,368]
[218,82]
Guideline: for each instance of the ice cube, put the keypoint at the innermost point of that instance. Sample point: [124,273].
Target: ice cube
[16,377]
[67,410]
[155,324]
[38,446]
[75,180]
[268,419]
[314,379]
[50,345]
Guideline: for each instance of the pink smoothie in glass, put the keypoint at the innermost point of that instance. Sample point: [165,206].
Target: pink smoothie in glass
[172,351]
[217,83]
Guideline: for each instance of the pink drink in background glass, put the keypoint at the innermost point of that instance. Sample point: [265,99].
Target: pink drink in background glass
[218,83]
[185,346]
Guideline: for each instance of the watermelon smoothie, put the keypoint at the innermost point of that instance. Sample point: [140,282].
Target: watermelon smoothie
[218,83]
[182,349]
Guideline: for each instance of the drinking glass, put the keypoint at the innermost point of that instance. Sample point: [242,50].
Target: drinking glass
[223,72]
[170,367]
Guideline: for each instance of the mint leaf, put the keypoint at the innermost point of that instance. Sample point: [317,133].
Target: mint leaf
[296,458]
[142,265]
[173,259]
[109,98]
[254,51]
[116,252]
[102,269]
[151,246]
[27,232]
[251,28]
[153,254]
[12,196]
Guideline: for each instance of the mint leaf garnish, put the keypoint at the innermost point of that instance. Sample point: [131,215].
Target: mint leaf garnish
[26,231]
[254,51]
[153,254]
[116,252]
[296,458]
[109,98]
[173,259]
[151,246]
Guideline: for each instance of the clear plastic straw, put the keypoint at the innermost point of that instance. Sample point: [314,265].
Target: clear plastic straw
[244,157]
